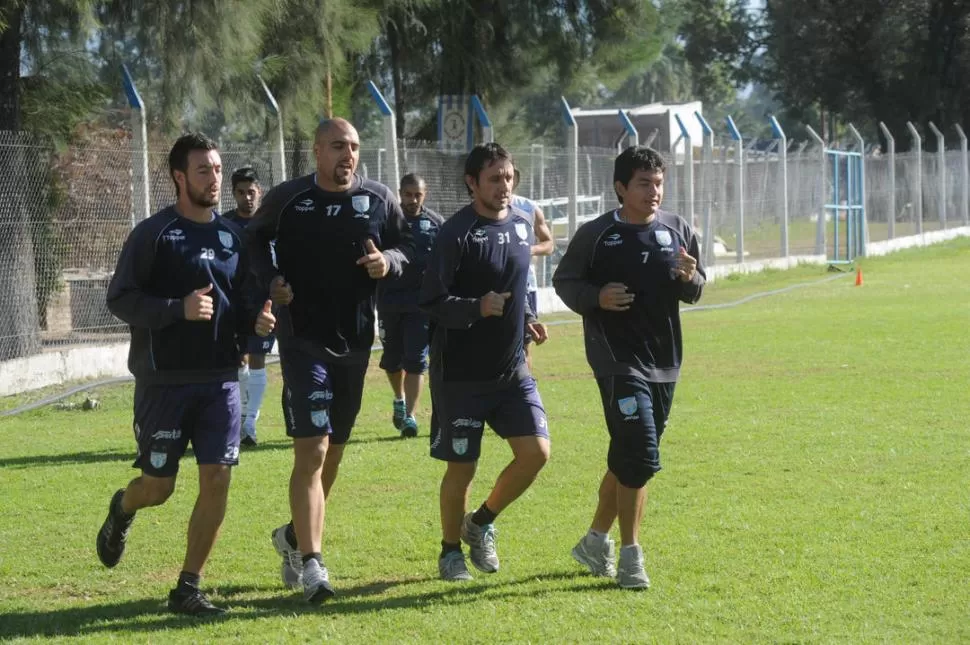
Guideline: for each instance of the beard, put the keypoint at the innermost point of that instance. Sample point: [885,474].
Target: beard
[340,179]
[201,197]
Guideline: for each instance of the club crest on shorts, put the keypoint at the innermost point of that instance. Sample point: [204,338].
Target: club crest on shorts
[319,418]
[361,203]
[158,459]
[226,238]
[663,238]
[459,445]
[628,405]
[522,231]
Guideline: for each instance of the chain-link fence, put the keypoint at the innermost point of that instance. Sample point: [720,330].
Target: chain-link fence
[64,213]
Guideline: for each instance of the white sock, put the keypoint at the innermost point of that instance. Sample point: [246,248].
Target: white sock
[243,390]
[256,388]
[596,536]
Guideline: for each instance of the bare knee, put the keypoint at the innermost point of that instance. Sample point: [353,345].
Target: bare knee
[532,452]
[155,491]
[309,455]
[334,455]
[214,479]
[460,473]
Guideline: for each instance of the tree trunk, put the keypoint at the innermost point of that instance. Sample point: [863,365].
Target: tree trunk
[18,315]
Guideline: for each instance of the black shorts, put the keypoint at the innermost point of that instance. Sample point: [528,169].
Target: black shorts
[319,397]
[169,417]
[459,415]
[404,336]
[636,412]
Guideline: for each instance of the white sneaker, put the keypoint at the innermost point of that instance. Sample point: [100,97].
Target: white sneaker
[291,570]
[316,582]
[597,555]
[630,573]
[481,544]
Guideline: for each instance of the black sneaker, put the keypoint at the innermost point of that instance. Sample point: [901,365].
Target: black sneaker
[192,602]
[114,532]
[248,441]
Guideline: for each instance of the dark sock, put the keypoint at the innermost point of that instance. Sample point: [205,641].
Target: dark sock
[316,555]
[290,534]
[447,548]
[187,579]
[483,516]
[120,513]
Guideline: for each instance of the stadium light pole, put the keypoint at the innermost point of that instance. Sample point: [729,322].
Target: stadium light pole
[862,232]
[891,150]
[965,171]
[279,156]
[572,153]
[140,189]
[941,170]
[918,144]
[739,162]
[820,224]
[783,152]
[688,169]
[390,133]
[707,186]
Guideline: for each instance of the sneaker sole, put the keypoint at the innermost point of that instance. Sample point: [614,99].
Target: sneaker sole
[635,587]
[409,433]
[322,593]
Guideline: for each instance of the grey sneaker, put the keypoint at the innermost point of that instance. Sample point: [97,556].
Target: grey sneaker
[481,544]
[630,573]
[452,567]
[599,557]
[291,570]
[316,582]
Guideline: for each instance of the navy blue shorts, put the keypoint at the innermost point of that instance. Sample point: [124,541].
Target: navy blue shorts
[258,345]
[404,336]
[168,417]
[320,398]
[459,415]
[636,412]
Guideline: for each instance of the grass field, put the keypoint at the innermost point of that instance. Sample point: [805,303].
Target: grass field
[814,491]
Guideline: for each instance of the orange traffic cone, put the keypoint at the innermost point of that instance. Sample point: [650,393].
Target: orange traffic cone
[858,278]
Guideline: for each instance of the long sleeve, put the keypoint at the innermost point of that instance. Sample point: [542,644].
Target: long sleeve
[245,302]
[570,279]
[259,235]
[690,292]
[435,298]
[397,239]
[126,297]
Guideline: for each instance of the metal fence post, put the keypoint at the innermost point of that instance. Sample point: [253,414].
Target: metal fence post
[279,156]
[707,187]
[479,111]
[572,178]
[390,135]
[739,162]
[631,131]
[965,171]
[688,171]
[891,149]
[783,153]
[863,231]
[820,224]
[918,144]
[140,188]
[941,169]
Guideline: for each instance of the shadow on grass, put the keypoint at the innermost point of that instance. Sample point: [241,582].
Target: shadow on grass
[149,615]
[68,459]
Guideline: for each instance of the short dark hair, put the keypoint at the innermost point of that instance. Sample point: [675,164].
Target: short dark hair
[633,159]
[412,179]
[178,158]
[244,174]
[482,156]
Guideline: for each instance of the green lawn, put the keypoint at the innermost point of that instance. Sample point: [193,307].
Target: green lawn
[814,491]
